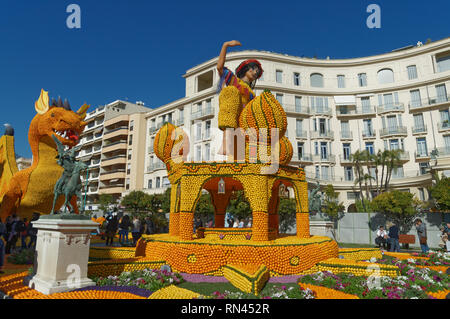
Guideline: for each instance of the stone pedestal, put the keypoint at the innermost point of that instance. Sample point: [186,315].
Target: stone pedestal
[62,250]
[321,228]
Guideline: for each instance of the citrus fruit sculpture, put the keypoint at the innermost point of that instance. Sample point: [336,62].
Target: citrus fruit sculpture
[211,250]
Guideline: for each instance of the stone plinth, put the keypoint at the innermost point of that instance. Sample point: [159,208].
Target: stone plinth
[321,228]
[62,250]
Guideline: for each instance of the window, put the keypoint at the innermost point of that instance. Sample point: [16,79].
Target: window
[300,150]
[346,150]
[207,152]
[412,72]
[421,194]
[397,172]
[341,81]
[368,129]
[299,127]
[345,129]
[362,79]
[365,103]
[369,147]
[208,105]
[279,98]
[348,172]
[198,153]
[422,147]
[443,62]
[127,184]
[158,182]
[325,170]
[316,148]
[415,98]
[198,134]
[319,104]
[150,184]
[385,76]
[129,154]
[279,76]
[181,116]
[128,168]
[207,129]
[318,172]
[298,104]
[324,150]
[205,81]
[165,182]
[130,141]
[169,118]
[316,80]
[441,93]
[424,168]
[419,125]
[296,79]
[131,125]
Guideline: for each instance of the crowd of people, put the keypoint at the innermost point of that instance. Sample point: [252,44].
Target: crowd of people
[390,239]
[13,230]
[124,225]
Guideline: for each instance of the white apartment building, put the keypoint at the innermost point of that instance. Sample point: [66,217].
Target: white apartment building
[112,144]
[396,100]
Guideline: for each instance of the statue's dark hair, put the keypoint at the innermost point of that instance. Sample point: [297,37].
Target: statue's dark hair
[242,70]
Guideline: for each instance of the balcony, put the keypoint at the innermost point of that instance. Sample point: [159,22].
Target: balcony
[418,105]
[422,156]
[321,111]
[421,129]
[206,112]
[302,158]
[121,130]
[297,109]
[346,135]
[395,130]
[322,134]
[366,111]
[393,107]
[119,145]
[179,122]
[345,159]
[404,156]
[444,126]
[443,152]
[155,166]
[324,158]
[300,134]
[368,134]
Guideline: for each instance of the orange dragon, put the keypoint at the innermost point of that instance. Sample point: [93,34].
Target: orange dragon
[31,190]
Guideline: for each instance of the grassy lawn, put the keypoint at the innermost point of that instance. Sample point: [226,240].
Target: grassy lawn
[207,289]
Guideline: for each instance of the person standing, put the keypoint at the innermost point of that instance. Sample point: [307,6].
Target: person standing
[23,232]
[32,231]
[241,223]
[422,234]
[13,235]
[124,228]
[394,238]
[111,229]
[149,226]
[136,230]
[2,246]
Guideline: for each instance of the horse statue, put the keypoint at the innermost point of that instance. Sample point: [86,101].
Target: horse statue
[69,184]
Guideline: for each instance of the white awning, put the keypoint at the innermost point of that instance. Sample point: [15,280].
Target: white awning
[345,100]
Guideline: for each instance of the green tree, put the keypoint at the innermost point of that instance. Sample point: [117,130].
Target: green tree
[400,207]
[136,203]
[440,192]
[238,206]
[286,212]
[204,209]
[331,205]
[104,201]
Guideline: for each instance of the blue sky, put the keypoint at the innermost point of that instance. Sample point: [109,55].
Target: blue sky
[138,50]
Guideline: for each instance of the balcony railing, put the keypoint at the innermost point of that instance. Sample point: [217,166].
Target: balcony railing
[321,111]
[303,158]
[298,109]
[391,107]
[416,104]
[443,152]
[179,122]
[345,158]
[322,134]
[419,129]
[203,112]
[117,129]
[155,166]
[300,134]
[324,158]
[354,112]
[346,135]
[395,130]
[368,134]
[443,126]
[419,155]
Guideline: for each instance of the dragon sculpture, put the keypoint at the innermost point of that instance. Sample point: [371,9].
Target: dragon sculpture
[31,190]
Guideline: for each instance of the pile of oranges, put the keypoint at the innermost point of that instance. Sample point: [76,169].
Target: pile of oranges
[360,253]
[174,292]
[112,253]
[246,277]
[282,256]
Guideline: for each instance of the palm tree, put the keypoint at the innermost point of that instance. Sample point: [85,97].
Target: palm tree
[393,161]
[357,159]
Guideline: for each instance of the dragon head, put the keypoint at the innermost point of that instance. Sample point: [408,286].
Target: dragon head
[58,120]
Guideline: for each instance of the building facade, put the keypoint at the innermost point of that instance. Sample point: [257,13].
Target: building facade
[397,100]
[112,145]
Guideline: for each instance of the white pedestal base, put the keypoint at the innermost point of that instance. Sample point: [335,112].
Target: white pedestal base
[62,250]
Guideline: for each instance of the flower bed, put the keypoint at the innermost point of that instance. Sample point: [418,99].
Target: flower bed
[327,293]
